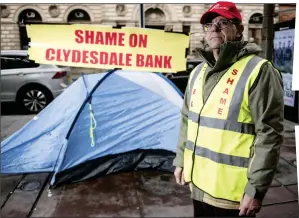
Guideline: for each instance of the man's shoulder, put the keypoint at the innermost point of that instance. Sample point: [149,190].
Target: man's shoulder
[256,57]
[267,67]
[200,64]
[197,68]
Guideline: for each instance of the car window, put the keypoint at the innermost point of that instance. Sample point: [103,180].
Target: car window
[3,64]
[16,62]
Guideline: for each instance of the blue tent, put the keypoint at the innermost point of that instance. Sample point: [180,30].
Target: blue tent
[102,124]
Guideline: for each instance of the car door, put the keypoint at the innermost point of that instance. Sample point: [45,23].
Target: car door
[12,76]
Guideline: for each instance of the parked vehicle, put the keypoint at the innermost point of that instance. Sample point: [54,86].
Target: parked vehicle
[31,85]
[180,79]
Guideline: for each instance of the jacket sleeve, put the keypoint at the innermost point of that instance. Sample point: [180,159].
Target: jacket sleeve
[179,159]
[267,108]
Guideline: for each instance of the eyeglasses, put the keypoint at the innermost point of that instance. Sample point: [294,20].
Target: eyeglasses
[221,24]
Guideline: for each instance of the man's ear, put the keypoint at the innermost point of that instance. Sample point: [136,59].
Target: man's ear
[240,29]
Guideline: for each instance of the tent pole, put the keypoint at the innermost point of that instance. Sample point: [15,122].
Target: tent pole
[87,99]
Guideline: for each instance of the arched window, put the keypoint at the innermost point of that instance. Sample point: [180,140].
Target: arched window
[256,18]
[155,18]
[78,16]
[255,28]
[27,16]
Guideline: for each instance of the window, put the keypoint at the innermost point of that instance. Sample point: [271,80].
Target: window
[255,28]
[187,30]
[16,62]
[3,64]
[256,18]
[78,16]
[27,16]
[119,26]
[157,27]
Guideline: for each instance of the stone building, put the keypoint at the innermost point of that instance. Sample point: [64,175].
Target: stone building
[170,17]
[288,12]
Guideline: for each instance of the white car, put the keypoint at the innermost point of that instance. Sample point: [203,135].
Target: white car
[31,85]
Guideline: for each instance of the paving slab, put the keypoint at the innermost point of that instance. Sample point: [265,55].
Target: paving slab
[287,210]
[110,196]
[275,183]
[8,184]
[160,196]
[48,202]
[278,195]
[288,153]
[21,201]
[293,189]
[286,174]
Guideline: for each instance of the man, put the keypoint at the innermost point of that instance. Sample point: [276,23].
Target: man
[232,121]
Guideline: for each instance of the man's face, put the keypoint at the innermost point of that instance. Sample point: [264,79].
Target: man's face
[225,31]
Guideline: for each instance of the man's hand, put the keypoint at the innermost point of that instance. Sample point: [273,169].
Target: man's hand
[179,176]
[249,206]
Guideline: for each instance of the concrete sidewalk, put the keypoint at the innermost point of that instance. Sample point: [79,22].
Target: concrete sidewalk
[282,197]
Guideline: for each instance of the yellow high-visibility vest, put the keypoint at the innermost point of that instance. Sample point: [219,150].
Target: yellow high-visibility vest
[221,131]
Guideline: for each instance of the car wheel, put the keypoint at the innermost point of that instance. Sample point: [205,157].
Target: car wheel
[33,99]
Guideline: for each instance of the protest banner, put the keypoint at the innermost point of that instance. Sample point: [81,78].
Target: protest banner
[93,46]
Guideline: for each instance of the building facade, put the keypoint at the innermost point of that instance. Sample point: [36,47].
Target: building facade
[170,17]
[288,12]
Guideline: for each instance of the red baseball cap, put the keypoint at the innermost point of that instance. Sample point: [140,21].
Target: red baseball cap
[224,9]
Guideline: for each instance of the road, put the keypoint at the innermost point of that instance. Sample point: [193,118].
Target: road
[130,194]
[10,124]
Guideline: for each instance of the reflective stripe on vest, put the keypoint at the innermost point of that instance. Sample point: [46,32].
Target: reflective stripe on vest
[196,81]
[194,75]
[218,157]
[221,131]
[215,123]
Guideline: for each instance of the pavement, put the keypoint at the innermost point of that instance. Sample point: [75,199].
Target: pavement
[282,197]
[134,199]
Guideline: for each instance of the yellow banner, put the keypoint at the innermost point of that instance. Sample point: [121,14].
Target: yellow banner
[92,46]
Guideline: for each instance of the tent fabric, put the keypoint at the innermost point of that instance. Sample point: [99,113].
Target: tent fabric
[153,159]
[133,111]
